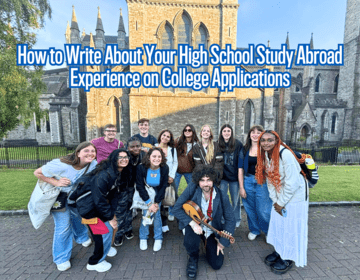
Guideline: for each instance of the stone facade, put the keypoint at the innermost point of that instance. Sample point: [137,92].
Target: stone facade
[322,105]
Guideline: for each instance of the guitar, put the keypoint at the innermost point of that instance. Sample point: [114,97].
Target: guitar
[195,213]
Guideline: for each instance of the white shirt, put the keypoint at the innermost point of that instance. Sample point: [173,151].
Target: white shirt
[204,208]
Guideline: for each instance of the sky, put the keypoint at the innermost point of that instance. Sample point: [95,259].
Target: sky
[258,22]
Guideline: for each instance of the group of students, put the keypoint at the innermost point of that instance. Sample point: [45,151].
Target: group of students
[264,172]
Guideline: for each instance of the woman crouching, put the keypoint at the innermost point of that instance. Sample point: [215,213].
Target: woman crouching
[288,189]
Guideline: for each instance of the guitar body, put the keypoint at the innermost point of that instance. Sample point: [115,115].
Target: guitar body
[195,213]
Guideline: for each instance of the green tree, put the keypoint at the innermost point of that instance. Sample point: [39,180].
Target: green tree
[20,86]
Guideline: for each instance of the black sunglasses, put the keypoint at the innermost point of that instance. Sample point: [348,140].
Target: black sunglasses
[187,130]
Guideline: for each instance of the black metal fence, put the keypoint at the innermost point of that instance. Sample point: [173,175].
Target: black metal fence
[13,156]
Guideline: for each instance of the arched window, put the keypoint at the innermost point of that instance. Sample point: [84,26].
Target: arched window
[167,39]
[117,114]
[248,116]
[184,36]
[333,123]
[317,83]
[299,78]
[336,83]
[201,38]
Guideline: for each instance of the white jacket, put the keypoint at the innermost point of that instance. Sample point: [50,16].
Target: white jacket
[292,181]
[172,162]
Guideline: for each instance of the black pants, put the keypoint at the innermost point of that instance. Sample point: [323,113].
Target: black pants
[98,248]
[192,244]
[123,213]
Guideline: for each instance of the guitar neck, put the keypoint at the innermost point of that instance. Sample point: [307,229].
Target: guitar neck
[214,229]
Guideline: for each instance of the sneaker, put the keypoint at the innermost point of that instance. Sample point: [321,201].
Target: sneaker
[143,244]
[157,245]
[119,241]
[112,252]
[129,235]
[237,224]
[251,236]
[171,218]
[87,243]
[165,228]
[100,267]
[64,266]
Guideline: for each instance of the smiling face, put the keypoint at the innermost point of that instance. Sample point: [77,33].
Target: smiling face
[254,135]
[144,128]
[205,133]
[165,138]
[87,155]
[123,160]
[155,159]
[110,134]
[206,184]
[226,134]
[134,148]
[188,132]
[268,141]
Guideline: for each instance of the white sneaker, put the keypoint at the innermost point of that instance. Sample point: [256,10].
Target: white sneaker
[251,236]
[64,266]
[87,243]
[157,245]
[112,252]
[237,224]
[171,218]
[165,228]
[143,244]
[100,267]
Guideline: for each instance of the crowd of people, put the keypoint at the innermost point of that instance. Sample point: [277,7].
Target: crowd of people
[103,176]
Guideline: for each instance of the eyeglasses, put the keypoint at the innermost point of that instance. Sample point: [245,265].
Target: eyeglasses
[187,130]
[111,131]
[123,158]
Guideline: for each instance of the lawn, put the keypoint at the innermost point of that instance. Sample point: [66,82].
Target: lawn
[32,153]
[337,183]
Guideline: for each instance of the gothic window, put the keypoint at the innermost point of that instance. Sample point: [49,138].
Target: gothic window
[317,83]
[184,36]
[117,114]
[167,44]
[336,83]
[248,116]
[299,78]
[333,123]
[47,126]
[201,39]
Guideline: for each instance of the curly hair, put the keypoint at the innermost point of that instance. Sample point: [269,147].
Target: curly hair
[272,173]
[146,159]
[207,171]
[171,142]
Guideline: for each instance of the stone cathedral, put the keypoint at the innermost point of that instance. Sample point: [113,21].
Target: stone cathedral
[322,105]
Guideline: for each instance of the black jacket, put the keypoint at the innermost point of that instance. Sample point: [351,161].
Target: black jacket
[141,173]
[231,163]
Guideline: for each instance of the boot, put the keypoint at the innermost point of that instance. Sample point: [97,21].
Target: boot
[281,266]
[192,267]
[272,258]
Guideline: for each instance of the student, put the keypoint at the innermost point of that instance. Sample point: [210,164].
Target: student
[288,190]
[255,197]
[147,140]
[207,152]
[155,173]
[230,147]
[68,223]
[205,193]
[105,145]
[123,213]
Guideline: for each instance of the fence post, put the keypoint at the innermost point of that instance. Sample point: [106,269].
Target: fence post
[37,157]
[7,158]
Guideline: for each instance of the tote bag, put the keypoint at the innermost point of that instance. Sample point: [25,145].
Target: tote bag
[138,203]
[42,199]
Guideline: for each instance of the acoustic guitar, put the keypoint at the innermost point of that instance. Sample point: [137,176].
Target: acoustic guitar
[195,213]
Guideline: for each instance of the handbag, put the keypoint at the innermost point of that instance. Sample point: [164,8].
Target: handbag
[59,204]
[42,199]
[138,203]
[170,195]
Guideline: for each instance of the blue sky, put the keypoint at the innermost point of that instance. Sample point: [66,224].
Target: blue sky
[258,21]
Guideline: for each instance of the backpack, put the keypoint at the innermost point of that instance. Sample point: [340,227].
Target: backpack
[311,175]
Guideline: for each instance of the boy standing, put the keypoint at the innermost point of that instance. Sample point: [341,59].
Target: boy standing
[147,140]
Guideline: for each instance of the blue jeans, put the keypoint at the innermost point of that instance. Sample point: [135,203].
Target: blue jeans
[235,197]
[67,226]
[188,178]
[257,205]
[144,230]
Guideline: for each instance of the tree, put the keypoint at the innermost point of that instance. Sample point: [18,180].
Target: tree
[20,86]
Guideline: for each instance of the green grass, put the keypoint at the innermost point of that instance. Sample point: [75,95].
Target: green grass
[337,183]
[30,153]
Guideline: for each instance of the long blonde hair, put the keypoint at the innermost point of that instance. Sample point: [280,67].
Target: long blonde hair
[210,150]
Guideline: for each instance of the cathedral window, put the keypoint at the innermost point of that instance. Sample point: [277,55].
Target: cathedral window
[333,123]
[167,39]
[299,78]
[117,114]
[317,83]
[336,83]
[248,116]
[201,38]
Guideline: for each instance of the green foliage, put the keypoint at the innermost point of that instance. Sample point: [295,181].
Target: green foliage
[20,86]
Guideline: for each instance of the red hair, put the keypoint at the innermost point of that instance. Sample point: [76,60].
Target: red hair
[272,173]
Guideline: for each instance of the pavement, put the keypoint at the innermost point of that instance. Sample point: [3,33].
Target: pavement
[333,252]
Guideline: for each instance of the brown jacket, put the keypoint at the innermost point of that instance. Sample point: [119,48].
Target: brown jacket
[185,161]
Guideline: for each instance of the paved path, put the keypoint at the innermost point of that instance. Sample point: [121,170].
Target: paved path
[334,253]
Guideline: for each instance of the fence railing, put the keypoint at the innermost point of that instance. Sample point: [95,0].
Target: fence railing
[36,156]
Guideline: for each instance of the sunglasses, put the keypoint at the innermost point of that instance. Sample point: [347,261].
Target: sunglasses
[187,130]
